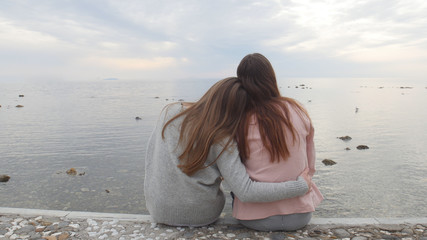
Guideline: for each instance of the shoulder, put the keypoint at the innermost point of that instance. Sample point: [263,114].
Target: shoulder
[297,110]
[174,107]
[292,103]
[171,110]
[294,106]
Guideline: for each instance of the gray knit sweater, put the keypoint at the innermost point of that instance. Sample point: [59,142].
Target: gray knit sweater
[174,198]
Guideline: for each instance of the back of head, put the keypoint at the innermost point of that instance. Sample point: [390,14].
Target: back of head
[211,120]
[268,106]
[258,77]
[223,103]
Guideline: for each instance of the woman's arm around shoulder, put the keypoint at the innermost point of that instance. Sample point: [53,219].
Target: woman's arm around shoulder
[247,190]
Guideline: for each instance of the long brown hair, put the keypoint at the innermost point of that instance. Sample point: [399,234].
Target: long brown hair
[269,107]
[213,119]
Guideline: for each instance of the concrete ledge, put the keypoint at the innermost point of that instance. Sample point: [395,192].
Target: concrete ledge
[343,221]
[367,221]
[226,220]
[75,214]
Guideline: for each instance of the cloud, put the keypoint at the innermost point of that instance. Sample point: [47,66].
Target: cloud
[344,28]
[134,63]
[168,38]
[385,54]
[21,38]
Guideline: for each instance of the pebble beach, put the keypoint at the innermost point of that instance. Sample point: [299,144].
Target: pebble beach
[17,223]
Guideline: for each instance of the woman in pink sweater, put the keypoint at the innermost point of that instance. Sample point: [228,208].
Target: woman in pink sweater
[275,142]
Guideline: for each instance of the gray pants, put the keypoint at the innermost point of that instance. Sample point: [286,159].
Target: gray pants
[289,222]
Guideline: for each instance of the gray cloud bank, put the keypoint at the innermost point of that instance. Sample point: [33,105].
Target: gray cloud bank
[166,39]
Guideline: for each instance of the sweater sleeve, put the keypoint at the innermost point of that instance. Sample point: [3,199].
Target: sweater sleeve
[247,190]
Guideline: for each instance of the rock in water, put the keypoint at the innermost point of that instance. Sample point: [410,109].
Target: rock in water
[4,178]
[361,147]
[19,106]
[71,171]
[328,162]
[345,138]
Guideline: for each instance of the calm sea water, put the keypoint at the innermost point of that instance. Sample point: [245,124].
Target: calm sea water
[91,126]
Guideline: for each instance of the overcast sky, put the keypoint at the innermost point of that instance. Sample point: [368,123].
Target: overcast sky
[179,39]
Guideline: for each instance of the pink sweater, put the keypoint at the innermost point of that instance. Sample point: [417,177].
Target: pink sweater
[260,168]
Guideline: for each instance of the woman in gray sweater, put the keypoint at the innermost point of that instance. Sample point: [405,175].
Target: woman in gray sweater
[192,149]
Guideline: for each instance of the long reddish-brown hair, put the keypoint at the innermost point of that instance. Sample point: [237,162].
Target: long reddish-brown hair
[214,119]
[268,106]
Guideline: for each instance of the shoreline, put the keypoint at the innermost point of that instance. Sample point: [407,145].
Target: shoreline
[22,223]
